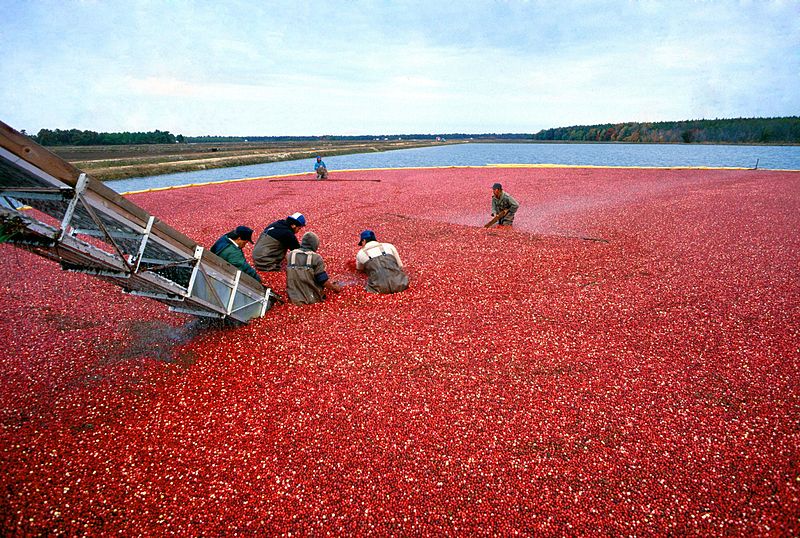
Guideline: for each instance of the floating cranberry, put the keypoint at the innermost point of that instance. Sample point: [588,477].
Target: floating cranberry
[624,361]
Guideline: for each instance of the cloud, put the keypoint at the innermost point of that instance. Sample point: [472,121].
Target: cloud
[375,67]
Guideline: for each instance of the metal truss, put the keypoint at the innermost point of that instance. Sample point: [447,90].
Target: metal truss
[54,210]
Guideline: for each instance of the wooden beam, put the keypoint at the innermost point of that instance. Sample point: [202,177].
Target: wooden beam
[28,150]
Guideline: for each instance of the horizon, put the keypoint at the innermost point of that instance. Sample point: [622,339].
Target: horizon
[410,67]
[392,135]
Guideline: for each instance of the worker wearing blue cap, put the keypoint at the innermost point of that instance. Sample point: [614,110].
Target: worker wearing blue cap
[320,168]
[276,240]
[382,264]
[230,247]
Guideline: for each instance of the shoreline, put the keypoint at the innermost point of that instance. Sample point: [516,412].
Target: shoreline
[107,163]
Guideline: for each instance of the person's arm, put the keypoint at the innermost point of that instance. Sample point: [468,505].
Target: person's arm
[234,256]
[333,286]
[393,252]
[288,239]
[240,262]
[247,268]
[361,259]
[321,276]
[514,205]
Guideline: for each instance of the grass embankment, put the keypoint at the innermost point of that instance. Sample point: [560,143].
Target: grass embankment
[120,162]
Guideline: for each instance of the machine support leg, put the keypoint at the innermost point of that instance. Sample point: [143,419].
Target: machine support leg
[65,222]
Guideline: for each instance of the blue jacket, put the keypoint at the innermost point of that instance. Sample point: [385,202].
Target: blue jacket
[272,245]
[281,231]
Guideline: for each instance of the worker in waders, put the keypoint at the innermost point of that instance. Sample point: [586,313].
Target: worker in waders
[306,279]
[276,239]
[321,169]
[503,204]
[382,264]
[230,248]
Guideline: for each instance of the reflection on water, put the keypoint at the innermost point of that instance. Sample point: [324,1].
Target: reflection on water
[473,154]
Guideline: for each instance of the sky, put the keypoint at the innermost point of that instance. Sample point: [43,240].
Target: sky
[247,68]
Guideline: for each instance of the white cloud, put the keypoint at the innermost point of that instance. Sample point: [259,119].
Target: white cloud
[512,66]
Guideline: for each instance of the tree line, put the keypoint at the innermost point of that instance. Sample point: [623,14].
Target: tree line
[784,130]
[76,137]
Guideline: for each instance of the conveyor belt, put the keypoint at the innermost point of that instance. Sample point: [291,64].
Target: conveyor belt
[87,227]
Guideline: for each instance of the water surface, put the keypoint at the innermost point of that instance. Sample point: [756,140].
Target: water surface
[477,154]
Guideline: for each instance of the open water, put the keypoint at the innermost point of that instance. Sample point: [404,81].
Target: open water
[476,154]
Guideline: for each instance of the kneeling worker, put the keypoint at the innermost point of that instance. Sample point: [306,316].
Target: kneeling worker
[321,169]
[306,279]
[276,240]
[230,247]
[382,264]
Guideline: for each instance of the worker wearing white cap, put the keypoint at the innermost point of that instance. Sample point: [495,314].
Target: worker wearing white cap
[276,239]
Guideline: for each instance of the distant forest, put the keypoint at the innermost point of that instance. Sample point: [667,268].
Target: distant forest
[76,137]
[732,131]
[726,131]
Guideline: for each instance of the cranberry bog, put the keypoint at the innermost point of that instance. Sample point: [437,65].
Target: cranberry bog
[623,361]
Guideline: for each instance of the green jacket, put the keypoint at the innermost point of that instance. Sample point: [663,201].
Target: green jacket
[232,254]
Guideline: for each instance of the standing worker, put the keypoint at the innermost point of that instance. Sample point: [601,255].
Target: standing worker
[230,247]
[503,205]
[320,168]
[276,239]
[306,279]
[382,264]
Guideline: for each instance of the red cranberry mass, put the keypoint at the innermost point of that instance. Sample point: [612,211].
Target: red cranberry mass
[624,360]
